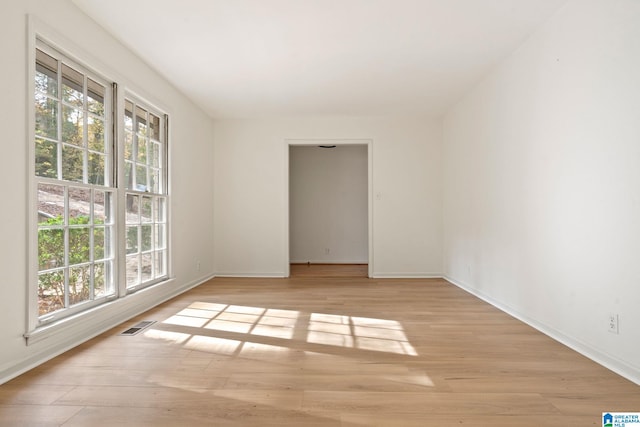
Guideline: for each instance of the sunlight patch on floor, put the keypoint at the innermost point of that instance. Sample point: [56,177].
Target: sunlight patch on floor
[355,332]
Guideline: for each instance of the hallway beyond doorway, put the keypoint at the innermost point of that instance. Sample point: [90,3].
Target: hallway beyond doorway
[329,270]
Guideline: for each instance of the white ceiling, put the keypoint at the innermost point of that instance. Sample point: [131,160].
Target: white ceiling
[249,58]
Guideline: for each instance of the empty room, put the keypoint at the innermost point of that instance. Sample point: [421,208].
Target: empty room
[320,213]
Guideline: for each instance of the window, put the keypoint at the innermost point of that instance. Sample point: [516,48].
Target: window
[146,196]
[75,194]
[83,212]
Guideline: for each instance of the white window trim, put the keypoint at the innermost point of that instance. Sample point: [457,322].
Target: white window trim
[122,193]
[110,167]
[38,30]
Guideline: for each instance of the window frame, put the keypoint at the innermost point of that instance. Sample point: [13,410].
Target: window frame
[63,59]
[162,193]
[35,328]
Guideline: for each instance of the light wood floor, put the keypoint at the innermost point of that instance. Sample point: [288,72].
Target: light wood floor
[320,352]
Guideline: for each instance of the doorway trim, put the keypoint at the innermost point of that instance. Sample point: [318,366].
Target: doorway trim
[328,141]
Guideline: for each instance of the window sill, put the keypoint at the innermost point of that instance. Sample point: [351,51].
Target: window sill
[96,320]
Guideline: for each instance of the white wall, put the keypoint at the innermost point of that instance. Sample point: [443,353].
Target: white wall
[251,200]
[542,182]
[191,152]
[328,204]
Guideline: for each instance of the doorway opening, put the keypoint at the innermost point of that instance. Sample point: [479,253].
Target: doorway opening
[329,208]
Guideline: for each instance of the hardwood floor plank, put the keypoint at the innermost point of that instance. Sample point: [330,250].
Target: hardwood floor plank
[36,415]
[330,382]
[15,393]
[610,400]
[233,416]
[425,404]
[470,420]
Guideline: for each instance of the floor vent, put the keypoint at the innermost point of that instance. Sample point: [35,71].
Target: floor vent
[139,327]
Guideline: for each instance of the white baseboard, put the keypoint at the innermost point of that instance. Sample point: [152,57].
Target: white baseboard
[251,275]
[620,367]
[406,275]
[328,261]
[103,318]
[373,276]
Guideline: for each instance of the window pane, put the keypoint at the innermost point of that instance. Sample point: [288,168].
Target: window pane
[160,210]
[128,145]
[128,175]
[141,178]
[95,97]
[102,212]
[161,263]
[128,115]
[79,205]
[147,267]
[46,158]
[133,209]
[46,83]
[99,243]
[160,237]
[107,243]
[46,117]
[133,266]
[132,239]
[155,181]
[146,210]
[155,155]
[146,244]
[72,126]
[102,281]
[99,280]
[95,134]
[46,74]
[141,121]
[79,245]
[50,292]
[96,169]
[72,163]
[79,284]
[142,150]
[50,249]
[154,127]
[72,86]
[50,204]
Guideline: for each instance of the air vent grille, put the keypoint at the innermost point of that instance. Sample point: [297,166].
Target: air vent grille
[139,327]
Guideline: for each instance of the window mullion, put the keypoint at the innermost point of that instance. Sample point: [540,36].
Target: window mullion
[85,132]
[67,255]
[134,149]
[59,121]
[111,146]
[164,159]
[92,247]
[120,227]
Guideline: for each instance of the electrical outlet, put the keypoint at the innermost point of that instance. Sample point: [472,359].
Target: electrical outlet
[197,265]
[327,251]
[613,323]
